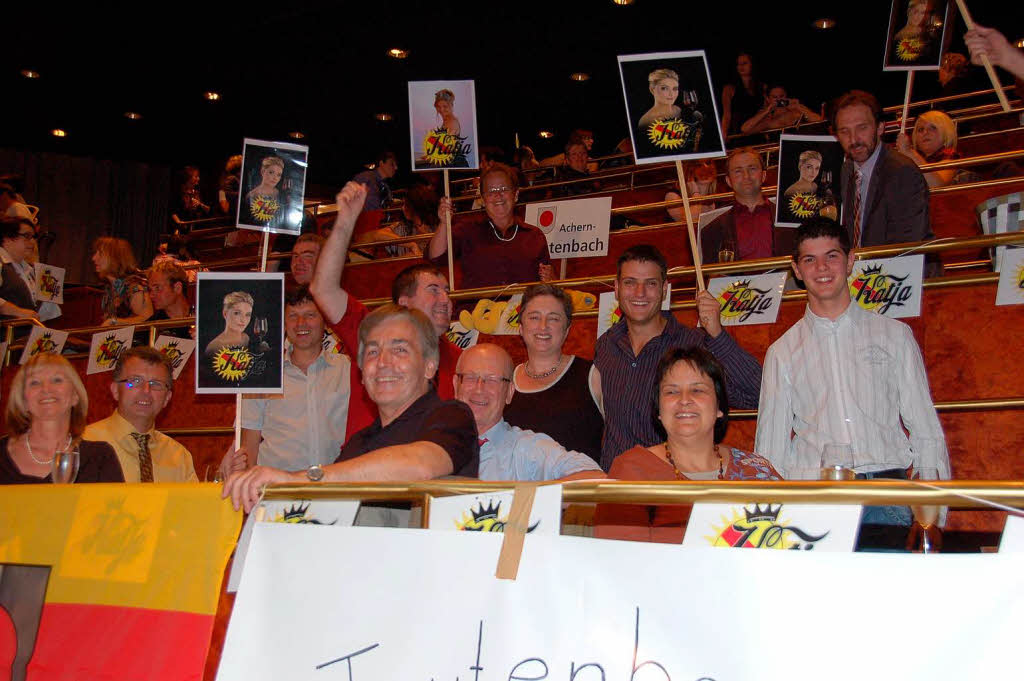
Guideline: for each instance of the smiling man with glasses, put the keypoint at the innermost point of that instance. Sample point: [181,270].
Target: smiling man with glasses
[484,382]
[17,277]
[142,383]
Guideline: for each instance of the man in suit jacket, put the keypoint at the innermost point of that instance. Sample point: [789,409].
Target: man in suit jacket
[893,194]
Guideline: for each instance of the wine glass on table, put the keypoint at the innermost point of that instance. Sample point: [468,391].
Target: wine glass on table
[925,536]
[259,329]
[837,462]
[727,250]
[65,465]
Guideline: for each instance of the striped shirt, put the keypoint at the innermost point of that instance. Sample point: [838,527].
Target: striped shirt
[849,381]
[627,380]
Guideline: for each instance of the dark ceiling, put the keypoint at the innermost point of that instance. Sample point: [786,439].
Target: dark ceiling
[320,67]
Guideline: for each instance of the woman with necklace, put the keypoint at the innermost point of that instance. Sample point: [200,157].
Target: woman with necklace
[46,412]
[555,393]
[497,248]
[691,408]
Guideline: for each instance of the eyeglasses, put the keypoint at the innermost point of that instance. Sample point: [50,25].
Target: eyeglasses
[494,192]
[490,382]
[155,385]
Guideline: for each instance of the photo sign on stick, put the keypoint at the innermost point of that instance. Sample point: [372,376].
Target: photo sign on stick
[809,186]
[917,35]
[888,286]
[442,124]
[272,185]
[576,228]
[670,106]
[239,332]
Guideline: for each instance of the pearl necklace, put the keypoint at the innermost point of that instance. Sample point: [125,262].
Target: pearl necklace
[544,374]
[500,237]
[28,446]
[679,474]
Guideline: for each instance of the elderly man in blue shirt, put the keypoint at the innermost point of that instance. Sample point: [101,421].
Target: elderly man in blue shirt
[483,380]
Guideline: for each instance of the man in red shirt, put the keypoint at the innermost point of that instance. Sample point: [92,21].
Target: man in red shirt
[747,229]
[423,287]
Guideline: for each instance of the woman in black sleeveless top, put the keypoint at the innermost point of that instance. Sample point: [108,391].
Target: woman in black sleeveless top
[554,393]
[743,97]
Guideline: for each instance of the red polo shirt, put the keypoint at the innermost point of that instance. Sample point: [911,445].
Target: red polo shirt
[753,230]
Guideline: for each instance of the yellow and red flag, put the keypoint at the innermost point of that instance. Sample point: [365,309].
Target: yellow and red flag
[110,581]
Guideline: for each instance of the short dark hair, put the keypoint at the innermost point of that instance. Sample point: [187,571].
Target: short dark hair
[553,290]
[493,154]
[147,354]
[10,228]
[423,201]
[408,279]
[298,296]
[642,253]
[172,270]
[853,98]
[703,361]
[385,156]
[818,227]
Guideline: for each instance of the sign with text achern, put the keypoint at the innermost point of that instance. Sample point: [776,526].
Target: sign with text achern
[577,228]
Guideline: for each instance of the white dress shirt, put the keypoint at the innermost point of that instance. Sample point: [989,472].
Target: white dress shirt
[848,381]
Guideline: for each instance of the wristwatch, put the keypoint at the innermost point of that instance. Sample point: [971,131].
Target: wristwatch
[315,473]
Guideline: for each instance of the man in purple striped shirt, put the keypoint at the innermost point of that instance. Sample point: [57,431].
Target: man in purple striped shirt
[627,354]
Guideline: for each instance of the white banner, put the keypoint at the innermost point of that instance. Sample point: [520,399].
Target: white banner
[42,339]
[750,299]
[360,603]
[575,228]
[800,527]
[489,512]
[1011,278]
[176,350]
[508,324]
[49,283]
[461,336]
[1013,535]
[289,512]
[106,347]
[609,313]
[889,286]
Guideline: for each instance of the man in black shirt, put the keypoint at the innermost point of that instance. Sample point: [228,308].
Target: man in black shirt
[417,435]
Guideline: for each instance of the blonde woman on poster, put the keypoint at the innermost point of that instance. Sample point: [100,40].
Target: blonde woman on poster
[664,87]
[263,204]
[237,313]
[809,165]
[444,104]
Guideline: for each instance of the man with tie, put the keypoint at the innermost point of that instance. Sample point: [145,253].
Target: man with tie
[885,196]
[142,388]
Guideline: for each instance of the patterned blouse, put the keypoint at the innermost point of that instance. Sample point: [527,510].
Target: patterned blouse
[117,295]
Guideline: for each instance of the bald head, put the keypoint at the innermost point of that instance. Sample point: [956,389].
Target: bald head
[483,380]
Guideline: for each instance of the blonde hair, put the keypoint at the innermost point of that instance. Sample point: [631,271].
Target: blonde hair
[121,259]
[272,161]
[658,75]
[236,297]
[945,125]
[809,154]
[18,418]
[444,96]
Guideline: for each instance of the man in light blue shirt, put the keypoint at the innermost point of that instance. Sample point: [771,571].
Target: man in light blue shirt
[483,380]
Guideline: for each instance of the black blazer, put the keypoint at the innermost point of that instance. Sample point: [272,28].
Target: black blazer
[897,201]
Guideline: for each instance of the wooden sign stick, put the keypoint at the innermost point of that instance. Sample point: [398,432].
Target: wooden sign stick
[689,226]
[448,229]
[906,101]
[984,58]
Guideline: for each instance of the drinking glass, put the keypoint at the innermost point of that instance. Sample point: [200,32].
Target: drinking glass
[727,251]
[65,466]
[259,328]
[925,536]
[837,462]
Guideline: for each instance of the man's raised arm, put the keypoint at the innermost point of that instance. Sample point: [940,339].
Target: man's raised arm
[326,285]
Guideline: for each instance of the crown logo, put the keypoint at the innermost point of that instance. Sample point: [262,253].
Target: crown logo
[759,514]
[741,284]
[876,269]
[296,512]
[489,513]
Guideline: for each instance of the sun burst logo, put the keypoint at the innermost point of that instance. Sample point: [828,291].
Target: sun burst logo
[672,133]
[760,528]
[173,353]
[264,208]
[740,300]
[440,147]
[48,284]
[44,343]
[615,316]
[909,49]
[804,205]
[486,519]
[232,364]
[109,350]
[298,514]
[876,290]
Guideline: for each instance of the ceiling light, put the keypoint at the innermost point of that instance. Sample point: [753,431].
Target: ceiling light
[579,76]
[211,95]
[383,117]
[132,115]
[30,74]
[398,53]
[824,24]
[1020,43]
[545,134]
[623,2]
[296,135]
[57,132]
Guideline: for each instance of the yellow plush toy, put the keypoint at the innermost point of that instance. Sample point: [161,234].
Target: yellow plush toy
[581,300]
[485,317]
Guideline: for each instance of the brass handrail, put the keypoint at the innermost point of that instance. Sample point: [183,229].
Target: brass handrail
[953,493]
[898,108]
